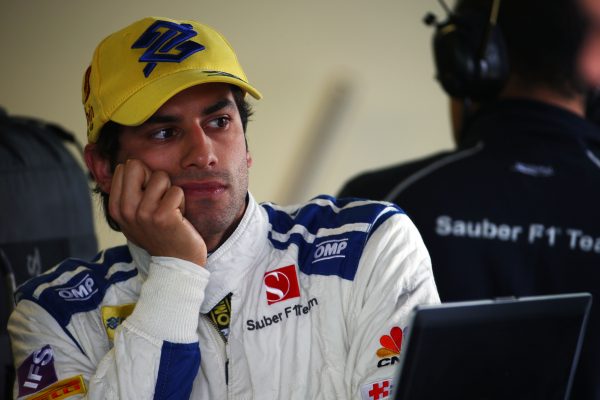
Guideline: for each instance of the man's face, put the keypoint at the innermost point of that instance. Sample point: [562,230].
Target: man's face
[197,138]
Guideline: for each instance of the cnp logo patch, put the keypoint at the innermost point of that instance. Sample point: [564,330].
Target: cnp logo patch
[391,346]
[166,41]
[281,284]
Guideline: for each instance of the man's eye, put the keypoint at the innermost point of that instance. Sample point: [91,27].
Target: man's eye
[221,122]
[162,134]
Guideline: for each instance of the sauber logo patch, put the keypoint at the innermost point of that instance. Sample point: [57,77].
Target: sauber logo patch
[391,346]
[377,390]
[281,284]
[37,371]
[62,390]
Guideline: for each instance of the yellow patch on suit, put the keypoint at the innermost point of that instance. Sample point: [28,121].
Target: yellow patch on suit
[62,389]
[113,316]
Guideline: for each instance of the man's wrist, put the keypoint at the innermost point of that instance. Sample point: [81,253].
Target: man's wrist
[169,304]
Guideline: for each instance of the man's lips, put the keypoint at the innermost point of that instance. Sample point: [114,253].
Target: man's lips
[203,188]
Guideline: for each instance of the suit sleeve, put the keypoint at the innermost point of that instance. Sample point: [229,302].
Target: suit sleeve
[394,275]
[155,353]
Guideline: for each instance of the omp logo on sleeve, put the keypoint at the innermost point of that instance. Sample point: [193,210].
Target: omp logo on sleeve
[377,390]
[281,284]
[330,249]
[113,316]
[391,346]
[62,389]
[37,371]
[82,290]
[161,38]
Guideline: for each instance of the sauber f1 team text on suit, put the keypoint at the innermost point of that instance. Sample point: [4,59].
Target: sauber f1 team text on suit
[320,295]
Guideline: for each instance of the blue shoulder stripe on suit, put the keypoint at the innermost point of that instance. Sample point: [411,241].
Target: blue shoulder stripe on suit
[75,285]
[330,233]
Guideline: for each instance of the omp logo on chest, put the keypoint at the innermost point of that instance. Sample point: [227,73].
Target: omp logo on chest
[330,249]
[82,290]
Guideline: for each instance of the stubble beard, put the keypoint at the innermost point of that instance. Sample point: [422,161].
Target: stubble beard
[218,220]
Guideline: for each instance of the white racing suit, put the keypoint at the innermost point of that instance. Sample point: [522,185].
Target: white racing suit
[320,296]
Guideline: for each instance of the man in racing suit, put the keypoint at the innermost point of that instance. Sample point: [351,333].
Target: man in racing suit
[214,296]
[513,211]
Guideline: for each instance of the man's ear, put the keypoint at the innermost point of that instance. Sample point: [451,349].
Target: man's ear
[589,57]
[99,167]
[589,61]
[248,159]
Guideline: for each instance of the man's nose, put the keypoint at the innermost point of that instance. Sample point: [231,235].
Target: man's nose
[198,149]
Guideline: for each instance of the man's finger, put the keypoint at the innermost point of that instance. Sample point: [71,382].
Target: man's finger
[156,188]
[135,177]
[114,197]
[173,199]
[147,173]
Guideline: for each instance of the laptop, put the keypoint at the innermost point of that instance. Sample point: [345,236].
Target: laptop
[513,348]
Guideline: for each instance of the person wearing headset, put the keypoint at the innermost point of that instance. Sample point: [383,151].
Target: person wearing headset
[214,296]
[514,209]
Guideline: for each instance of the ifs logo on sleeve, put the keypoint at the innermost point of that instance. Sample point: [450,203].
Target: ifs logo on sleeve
[281,284]
[37,371]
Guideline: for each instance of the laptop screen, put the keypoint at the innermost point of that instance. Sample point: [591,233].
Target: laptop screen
[521,348]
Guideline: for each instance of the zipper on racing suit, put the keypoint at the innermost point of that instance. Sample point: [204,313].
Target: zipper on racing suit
[222,309]
[224,339]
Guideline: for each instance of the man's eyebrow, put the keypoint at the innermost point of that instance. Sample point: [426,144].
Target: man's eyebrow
[217,106]
[159,119]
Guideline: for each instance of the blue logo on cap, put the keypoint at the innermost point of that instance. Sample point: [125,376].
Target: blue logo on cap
[160,44]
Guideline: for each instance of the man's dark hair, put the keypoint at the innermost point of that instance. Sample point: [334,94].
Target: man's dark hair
[108,142]
[543,39]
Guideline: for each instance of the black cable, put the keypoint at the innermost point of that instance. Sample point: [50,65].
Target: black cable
[445,7]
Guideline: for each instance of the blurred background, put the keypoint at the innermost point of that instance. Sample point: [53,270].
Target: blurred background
[348,85]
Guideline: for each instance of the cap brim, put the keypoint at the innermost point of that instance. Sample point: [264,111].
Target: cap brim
[142,104]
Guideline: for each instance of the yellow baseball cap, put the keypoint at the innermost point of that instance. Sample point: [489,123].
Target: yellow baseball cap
[136,70]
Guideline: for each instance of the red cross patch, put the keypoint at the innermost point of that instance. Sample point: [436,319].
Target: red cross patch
[377,390]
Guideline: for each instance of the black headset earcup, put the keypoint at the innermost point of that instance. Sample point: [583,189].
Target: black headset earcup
[454,59]
[465,69]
